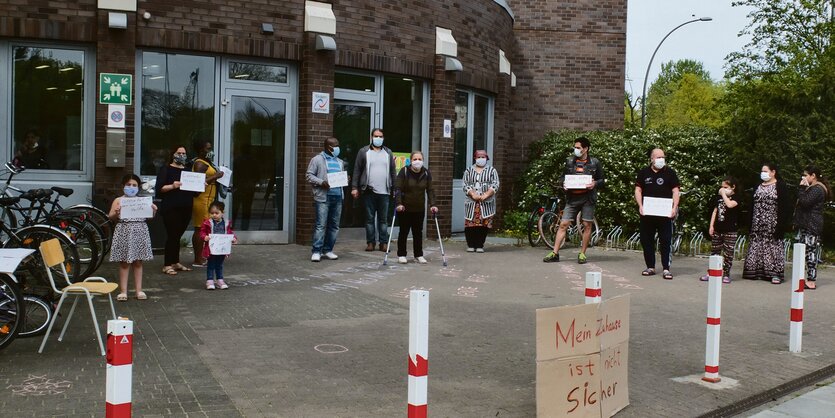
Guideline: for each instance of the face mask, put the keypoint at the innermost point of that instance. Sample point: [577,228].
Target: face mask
[131,191]
[180,158]
[659,163]
[578,152]
[335,151]
[377,142]
[210,155]
[765,176]
[417,165]
[481,162]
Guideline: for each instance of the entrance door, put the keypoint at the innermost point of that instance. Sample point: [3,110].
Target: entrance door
[352,125]
[256,148]
[473,131]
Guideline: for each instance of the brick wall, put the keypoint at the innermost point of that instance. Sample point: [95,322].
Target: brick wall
[45,19]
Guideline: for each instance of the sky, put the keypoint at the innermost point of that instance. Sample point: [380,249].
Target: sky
[709,42]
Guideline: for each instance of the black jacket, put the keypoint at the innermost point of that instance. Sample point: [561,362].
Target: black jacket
[414,189]
[808,214]
[592,167]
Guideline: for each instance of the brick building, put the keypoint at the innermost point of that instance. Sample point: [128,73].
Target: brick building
[267,81]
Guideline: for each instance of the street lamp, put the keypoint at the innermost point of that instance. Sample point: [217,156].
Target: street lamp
[644,94]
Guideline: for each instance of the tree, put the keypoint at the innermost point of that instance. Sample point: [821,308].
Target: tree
[684,94]
[630,108]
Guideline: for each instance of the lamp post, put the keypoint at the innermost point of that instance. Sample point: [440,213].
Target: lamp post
[644,94]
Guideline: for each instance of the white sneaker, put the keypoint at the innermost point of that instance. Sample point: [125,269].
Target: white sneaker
[479,250]
[402,260]
[315,257]
[331,256]
[470,250]
[421,260]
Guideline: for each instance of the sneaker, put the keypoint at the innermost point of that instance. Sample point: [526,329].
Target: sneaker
[704,278]
[776,280]
[470,250]
[581,258]
[552,257]
[210,285]
[315,257]
[331,256]
[421,260]
[726,279]
[221,284]
[479,250]
[402,260]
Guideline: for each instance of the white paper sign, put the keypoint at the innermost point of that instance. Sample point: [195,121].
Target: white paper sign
[227,176]
[338,179]
[193,182]
[220,244]
[11,257]
[656,206]
[136,207]
[321,102]
[116,116]
[577,181]
[447,128]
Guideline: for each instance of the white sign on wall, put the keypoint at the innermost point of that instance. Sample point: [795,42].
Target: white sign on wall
[116,116]
[447,128]
[321,102]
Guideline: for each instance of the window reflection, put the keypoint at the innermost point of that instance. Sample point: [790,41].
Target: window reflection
[461,132]
[177,105]
[354,82]
[480,123]
[402,113]
[48,108]
[257,72]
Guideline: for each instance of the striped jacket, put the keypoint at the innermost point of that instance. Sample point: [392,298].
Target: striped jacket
[481,182]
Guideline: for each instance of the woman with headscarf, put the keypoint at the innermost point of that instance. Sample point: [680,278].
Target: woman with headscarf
[771,218]
[481,183]
[201,203]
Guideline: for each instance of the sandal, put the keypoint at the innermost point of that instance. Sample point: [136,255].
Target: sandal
[141,296]
[648,272]
[169,270]
[810,285]
[180,267]
[121,297]
[667,275]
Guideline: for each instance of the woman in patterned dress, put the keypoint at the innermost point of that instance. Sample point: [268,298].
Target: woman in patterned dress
[201,203]
[808,218]
[771,216]
[131,241]
[481,182]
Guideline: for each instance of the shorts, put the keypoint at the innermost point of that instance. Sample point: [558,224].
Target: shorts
[581,204]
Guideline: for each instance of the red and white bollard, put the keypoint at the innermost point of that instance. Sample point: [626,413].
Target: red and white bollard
[714,310]
[594,290]
[798,284]
[119,368]
[418,353]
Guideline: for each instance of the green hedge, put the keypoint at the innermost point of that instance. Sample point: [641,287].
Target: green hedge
[697,154]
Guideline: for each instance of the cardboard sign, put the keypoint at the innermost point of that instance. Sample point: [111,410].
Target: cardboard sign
[566,331]
[656,206]
[220,244]
[338,179]
[569,387]
[614,380]
[193,182]
[577,181]
[613,325]
[226,180]
[136,207]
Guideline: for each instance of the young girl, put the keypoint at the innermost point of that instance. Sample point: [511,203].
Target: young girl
[723,226]
[215,225]
[131,241]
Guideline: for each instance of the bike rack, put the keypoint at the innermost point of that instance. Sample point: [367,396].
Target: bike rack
[787,244]
[633,240]
[739,246]
[613,237]
[675,245]
[596,237]
[696,244]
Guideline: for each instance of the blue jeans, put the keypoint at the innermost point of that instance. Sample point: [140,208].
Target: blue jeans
[376,204]
[328,214]
[215,265]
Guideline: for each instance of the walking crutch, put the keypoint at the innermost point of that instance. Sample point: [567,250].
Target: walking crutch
[440,242]
[391,232]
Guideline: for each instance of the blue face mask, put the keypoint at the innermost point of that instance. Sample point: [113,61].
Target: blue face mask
[335,151]
[131,191]
[377,141]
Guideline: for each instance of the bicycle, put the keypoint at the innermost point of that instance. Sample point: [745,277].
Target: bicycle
[12,309]
[549,224]
[34,315]
[533,230]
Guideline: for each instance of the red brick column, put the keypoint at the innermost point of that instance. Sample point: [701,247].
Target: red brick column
[441,106]
[115,53]
[315,75]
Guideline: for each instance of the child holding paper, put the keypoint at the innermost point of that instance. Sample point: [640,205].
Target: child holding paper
[212,226]
[131,241]
[723,226]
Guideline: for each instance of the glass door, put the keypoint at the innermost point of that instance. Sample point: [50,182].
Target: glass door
[255,147]
[473,130]
[353,122]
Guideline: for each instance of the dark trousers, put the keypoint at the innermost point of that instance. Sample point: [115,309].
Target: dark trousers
[476,235]
[723,243]
[410,221]
[214,267]
[176,222]
[650,225]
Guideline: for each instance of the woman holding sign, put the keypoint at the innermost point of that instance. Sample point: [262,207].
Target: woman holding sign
[481,183]
[175,208]
[200,205]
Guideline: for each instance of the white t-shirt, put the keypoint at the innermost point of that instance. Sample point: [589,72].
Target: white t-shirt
[378,170]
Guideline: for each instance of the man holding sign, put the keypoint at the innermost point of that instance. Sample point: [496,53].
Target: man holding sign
[657,194]
[327,174]
[582,177]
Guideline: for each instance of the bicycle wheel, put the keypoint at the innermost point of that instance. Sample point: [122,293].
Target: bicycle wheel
[12,310]
[548,225]
[38,314]
[100,218]
[85,243]
[31,268]
[7,216]
[534,237]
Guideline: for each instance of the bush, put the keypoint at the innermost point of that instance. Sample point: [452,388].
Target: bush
[697,154]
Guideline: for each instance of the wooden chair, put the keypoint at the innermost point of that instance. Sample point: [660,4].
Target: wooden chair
[53,256]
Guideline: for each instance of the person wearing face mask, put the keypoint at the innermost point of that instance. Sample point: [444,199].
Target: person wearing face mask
[413,190]
[770,220]
[659,181]
[580,201]
[723,226]
[175,208]
[808,218]
[201,202]
[327,200]
[481,183]
[131,240]
[374,173]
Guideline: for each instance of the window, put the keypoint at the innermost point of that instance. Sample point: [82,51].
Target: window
[402,113]
[354,82]
[48,108]
[462,102]
[257,72]
[472,129]
[178,106]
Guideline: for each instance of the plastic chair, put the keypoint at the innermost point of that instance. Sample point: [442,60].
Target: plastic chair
[53,256]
